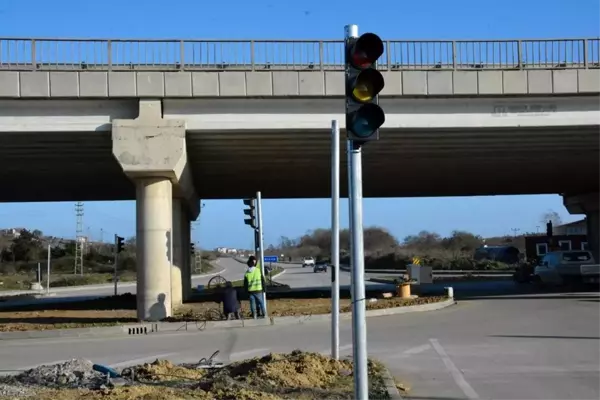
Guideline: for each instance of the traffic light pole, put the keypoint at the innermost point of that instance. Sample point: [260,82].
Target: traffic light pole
[116,250]
[335,239]
[359,323]
[261,250]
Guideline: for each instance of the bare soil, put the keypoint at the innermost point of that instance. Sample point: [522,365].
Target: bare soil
[297,375]
[79,318]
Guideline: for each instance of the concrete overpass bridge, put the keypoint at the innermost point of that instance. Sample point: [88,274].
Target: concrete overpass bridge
[169,122]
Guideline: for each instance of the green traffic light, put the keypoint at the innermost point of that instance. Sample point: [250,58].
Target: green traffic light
[366,120]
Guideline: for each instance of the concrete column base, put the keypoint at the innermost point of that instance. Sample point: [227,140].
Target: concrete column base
[154,227]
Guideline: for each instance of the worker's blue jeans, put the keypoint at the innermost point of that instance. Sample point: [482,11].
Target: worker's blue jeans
[256,301]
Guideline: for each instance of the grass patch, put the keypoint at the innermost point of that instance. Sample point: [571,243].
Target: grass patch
[23,282]
[296,375]
[117,310]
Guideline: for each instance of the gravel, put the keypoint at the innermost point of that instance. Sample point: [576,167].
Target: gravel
[77,373]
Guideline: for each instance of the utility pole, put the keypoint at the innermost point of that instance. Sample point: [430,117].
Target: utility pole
[514,231]
[335,240]
[79,238]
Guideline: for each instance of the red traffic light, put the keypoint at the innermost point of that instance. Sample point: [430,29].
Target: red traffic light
[366,50]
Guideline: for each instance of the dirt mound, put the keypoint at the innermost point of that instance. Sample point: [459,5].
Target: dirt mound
[76,373]
[297,375]
[295,370]
[164,370]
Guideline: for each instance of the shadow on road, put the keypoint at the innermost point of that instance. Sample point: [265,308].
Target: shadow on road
[434,398]
[508,290]
[547,337]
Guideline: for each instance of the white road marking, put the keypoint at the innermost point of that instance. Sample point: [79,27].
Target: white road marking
[249,353]
[454,371]
[341,349]
[141,360]
[389,354]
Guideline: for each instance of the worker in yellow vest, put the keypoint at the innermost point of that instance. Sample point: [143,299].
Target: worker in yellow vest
[254,283]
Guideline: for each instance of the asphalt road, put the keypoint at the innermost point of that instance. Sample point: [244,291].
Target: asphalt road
[509,347]
[297,277]
[231,270]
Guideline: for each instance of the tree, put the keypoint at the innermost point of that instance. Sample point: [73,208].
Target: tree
[462,241]
[422,240]
[552,216]
[26,247]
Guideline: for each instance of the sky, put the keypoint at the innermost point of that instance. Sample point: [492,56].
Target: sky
[221,222]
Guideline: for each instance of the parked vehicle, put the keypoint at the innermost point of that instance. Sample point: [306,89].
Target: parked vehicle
[562,267]
[308,262]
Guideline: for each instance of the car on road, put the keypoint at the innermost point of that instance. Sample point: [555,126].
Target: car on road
[562,267]
[320,266]
[308,262]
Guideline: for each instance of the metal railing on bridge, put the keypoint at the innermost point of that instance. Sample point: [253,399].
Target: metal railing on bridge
[294,55]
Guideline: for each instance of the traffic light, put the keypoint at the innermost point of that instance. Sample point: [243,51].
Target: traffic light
[192,249]
[120,245]
[549,229]
[250,212]
[363,84]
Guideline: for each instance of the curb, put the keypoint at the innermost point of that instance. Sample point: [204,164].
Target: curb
[390,385]
[161,327]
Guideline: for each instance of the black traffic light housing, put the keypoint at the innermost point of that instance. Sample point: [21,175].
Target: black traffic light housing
[364,82]
[192,249]
[120,244]
[250,212]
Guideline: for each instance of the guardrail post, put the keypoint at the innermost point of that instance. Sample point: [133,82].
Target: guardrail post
[520,54]
[252,59]
[321,66]
[585,53]
[454,54]
[182,54]
[33,55]
[109,55]
[389,54]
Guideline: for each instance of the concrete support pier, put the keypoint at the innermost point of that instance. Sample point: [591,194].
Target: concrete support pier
[152,152]
[154,227]
[187,256]
[588,204]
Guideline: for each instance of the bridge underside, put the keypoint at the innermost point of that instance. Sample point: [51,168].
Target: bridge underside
[296,164]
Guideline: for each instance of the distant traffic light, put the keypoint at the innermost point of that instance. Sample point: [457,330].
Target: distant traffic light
[549,229]
[363,84]
[250,212]
[192,249]
[119,242]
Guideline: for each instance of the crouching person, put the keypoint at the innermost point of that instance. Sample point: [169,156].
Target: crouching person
[231,306]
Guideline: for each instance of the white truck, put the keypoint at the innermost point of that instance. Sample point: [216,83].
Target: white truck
[308,262]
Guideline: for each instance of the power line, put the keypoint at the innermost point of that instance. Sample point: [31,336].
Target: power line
[79,238]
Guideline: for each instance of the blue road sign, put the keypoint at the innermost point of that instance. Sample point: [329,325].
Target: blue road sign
[271,259]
